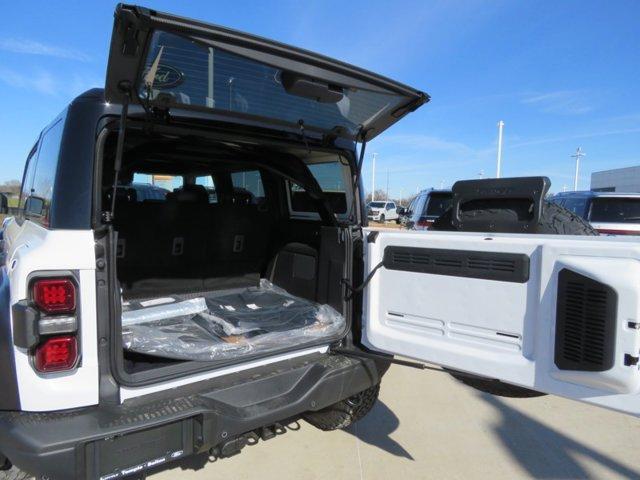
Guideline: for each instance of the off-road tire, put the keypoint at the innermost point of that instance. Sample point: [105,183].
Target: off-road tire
[344,413]
[15,474]
[554,220]
[382,219]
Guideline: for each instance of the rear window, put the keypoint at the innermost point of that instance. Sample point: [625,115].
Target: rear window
[330,177]
[249,184]
[196,75]
[438,204]
[377,204]
[615,210]
[155,187]
[576,205]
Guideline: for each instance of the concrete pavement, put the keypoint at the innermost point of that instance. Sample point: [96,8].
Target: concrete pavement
[428,426]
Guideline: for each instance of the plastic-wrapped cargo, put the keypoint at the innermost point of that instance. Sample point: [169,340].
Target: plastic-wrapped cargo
[224,324]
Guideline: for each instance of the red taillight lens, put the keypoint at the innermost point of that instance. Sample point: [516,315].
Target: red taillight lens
[55,295]
[423,222]
[56,354]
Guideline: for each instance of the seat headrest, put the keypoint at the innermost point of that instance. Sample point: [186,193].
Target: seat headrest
[124,195]
[242,196]
[190,194]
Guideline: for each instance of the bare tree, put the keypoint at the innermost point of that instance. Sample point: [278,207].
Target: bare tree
[381,196]
[11,187]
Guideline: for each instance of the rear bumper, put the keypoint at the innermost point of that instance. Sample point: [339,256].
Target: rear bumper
[106,441]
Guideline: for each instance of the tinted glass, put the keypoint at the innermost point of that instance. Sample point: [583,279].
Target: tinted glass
[248,183]
[27,180]
[196,75]
[207,182]
[38,204]
[576,205]
[438,204]
[615,210]
[330,177]
[377,204]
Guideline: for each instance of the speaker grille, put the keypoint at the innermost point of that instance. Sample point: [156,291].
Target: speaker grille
[585,323]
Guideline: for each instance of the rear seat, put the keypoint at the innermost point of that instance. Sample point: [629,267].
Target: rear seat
[163,243]
[186,244]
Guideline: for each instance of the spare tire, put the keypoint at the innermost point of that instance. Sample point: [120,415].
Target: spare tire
[554,219]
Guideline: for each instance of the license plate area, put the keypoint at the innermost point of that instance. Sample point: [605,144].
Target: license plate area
[123,455]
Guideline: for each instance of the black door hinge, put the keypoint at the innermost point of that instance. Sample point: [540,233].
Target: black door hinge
[630,360]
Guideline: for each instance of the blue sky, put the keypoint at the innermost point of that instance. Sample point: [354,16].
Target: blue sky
[560,75]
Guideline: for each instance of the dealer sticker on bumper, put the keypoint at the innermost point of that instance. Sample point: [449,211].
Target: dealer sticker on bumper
[143,466]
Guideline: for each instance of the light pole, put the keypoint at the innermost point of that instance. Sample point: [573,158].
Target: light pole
[499,159]
[578,155]
[373,178]
[387,191]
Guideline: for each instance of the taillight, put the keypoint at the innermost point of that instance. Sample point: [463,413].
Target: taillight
[55,295]
[55,346]
[56,353]
[423,222]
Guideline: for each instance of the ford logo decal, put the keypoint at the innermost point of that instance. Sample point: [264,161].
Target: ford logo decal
[166,77]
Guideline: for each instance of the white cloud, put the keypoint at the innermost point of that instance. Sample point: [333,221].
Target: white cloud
[41,82]
[46,83]
[427,142]
[577,136]
[32,47]
[564,102]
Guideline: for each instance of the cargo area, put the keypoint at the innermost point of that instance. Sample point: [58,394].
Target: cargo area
[221,252]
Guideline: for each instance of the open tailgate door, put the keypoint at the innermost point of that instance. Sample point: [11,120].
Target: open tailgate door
[166,61]
[556,314]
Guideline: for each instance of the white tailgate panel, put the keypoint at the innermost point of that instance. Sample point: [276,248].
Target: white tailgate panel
[502,329]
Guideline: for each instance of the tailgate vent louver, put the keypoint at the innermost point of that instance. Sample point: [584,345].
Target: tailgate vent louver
[585,323]
[506,267]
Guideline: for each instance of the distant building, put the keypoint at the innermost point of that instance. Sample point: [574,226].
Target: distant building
[616,180]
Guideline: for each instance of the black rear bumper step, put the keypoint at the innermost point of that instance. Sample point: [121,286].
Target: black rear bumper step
[105,441]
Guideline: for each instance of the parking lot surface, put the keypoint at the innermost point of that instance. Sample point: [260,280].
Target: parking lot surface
[426,425]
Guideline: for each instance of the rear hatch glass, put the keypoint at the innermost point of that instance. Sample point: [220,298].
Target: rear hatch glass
[191,74]
[615,210]
[171,62]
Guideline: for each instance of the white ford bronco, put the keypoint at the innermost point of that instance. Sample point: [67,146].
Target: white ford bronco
[191,270]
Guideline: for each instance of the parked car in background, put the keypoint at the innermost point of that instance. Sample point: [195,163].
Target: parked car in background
[608,212]
[402,214]
[383,212]
[426,208]
[4,204]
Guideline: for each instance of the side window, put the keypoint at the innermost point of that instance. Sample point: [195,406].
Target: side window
[27,179]
[248,183]
[37,204]
[330,177]
[418,207]
[391,206]
[209,183]
[576,205]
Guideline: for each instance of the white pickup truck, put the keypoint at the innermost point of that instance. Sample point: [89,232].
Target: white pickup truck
[382,212]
